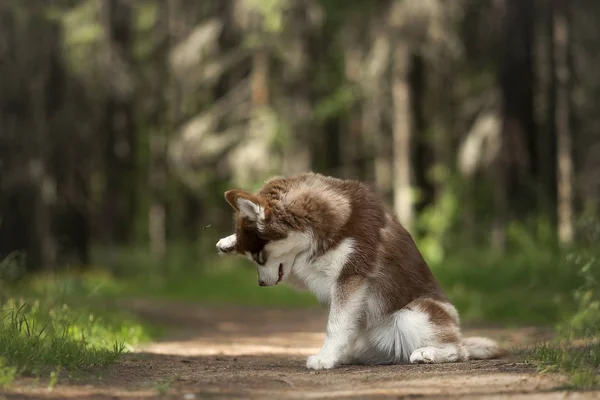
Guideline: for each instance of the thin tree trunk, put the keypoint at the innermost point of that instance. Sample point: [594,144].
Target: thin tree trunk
[546,137]
[517,160]
[423,149]
[259,79]
[157,173]
[43,251]
[351,141]
[562,109]
[402,128]
[374,83]
[119,197]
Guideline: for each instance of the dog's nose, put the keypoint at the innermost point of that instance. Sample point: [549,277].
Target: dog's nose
[262,283]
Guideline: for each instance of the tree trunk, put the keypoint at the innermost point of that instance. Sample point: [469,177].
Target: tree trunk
[517,163]
[402,129]
[374,82]
[157,174]
[351,145]
[119,196]
[423,149]
[563,132]
[547,93]
[43,251]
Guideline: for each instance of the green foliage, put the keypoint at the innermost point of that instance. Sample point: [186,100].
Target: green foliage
[193,271]
[51,323]
[586,260]
[11,267]
[83,32]
[35,336]
[576,351]
[335,104]
[580,363]
[438,219]
[338,10]
[486,286]
[272,13]
[7,373]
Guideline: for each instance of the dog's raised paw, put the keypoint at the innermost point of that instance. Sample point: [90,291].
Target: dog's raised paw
[227,244]
[318,362]
[424,355]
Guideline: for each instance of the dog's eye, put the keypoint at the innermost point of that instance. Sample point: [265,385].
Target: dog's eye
[259,258]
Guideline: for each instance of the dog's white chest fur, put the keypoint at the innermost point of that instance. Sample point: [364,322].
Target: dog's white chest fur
[320,275]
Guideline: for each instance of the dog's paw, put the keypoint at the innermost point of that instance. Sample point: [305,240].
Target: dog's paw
[425,355]
[319,362]
[226,245]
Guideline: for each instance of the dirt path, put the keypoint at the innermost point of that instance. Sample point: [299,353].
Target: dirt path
[260,354]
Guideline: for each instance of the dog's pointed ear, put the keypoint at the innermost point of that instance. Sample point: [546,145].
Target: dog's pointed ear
[247,203]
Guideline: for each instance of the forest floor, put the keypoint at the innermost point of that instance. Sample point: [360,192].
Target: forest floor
[256,353]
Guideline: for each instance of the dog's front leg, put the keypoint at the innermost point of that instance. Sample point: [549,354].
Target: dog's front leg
[342,325]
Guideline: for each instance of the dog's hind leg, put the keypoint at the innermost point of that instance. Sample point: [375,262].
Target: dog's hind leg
[447,353]
[426,330]
[443,343]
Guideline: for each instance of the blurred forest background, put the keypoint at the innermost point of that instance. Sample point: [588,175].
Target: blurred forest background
[123,122]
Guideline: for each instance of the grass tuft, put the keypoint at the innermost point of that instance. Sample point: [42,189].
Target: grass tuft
[576,351]
[34,338]
[64,324]
[580,362]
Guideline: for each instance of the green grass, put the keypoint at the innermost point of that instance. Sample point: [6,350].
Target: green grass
[233,286]
[195,273]
[581,363]
[48,323]
[515,288]
[576,350]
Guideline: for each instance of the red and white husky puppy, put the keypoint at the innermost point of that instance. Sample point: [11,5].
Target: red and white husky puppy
[337,239]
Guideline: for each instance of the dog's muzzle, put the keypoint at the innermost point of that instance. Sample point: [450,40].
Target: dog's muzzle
[279,278]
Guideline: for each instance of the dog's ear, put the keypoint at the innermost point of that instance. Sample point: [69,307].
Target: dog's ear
[247,203]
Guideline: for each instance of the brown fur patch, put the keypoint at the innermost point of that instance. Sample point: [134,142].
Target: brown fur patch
[335,209]
[438,315]
[347,286]
[445,323]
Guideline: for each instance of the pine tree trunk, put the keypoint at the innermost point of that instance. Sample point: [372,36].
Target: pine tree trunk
[157,174]
[563,132]
[120,144]
[546,137]
[402,129]
[516,167]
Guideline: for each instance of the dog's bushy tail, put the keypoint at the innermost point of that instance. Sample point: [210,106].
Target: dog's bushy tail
[482,348]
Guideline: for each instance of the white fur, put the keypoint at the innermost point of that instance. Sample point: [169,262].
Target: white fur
[342,330]
[320,275]
[405,336]
[481,348]
[282,252]
[441,354]
[253,211]
[227,244]
[395,338]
